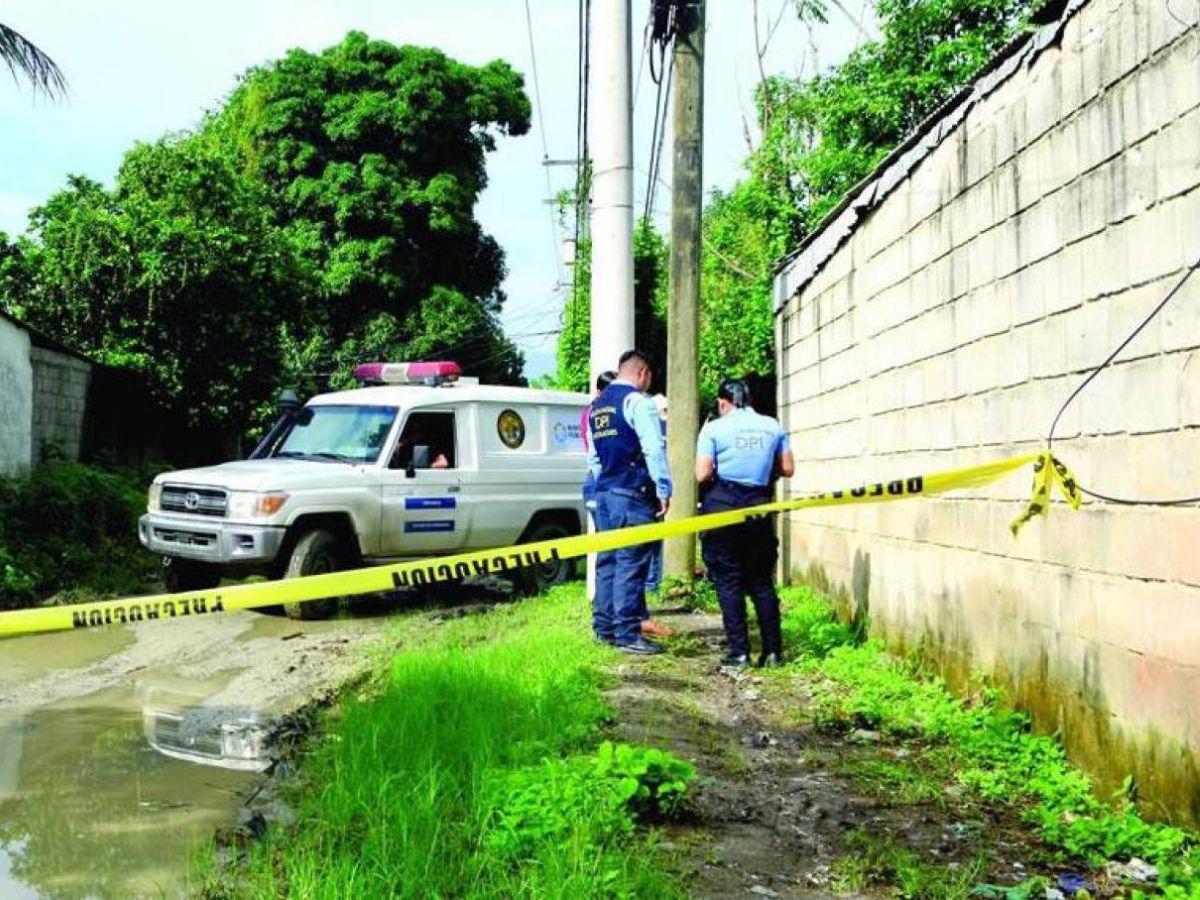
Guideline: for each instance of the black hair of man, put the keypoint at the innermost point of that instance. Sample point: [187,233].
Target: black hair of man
[604,379]
[635,356]
[735,391]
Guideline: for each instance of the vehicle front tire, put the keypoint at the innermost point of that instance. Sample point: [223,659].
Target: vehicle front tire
[181,575]
[535,579]
[315,553]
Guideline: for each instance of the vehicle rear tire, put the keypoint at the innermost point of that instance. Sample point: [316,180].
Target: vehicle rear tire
[315,553]
[181,575]
[535,579]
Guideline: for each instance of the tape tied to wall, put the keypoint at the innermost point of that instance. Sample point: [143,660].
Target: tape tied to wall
[1048,473]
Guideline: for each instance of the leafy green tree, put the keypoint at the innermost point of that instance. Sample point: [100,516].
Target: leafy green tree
[820,137]
[650,275]
[826,134]
[177,273]
[374,158]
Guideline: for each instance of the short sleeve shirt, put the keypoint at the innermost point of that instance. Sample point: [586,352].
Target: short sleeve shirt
[744,445]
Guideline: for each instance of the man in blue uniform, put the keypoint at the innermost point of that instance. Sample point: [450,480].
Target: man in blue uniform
[738,456]
[628,460]
[603,380]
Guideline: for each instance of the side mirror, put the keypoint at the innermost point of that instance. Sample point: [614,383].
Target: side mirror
[420,460]
[288,401]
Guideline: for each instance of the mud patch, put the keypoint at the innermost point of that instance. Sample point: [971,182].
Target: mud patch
[785,808]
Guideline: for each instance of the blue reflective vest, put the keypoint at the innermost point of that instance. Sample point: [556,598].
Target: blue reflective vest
[622,463]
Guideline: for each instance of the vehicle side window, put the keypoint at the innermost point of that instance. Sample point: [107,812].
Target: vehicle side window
[432,430]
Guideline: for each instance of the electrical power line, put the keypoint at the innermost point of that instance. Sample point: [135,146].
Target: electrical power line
[581,146]
[657,138]
[1125,501]
[539,110]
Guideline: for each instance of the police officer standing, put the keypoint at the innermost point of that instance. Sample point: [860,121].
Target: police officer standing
[628,461]
[738,456]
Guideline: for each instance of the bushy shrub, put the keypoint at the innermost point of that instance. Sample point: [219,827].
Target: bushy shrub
[596,796]
[810,625]
[70,527]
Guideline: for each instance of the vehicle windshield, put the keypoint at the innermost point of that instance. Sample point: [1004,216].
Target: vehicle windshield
[351,434]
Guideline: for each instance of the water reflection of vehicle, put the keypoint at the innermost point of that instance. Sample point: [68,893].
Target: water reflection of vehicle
[226,738]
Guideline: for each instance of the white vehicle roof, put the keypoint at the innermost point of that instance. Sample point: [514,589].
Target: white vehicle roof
[411,396]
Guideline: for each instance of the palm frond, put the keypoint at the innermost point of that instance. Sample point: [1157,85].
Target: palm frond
[23,58]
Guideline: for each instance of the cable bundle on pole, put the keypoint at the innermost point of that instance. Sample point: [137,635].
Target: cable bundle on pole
[661,29]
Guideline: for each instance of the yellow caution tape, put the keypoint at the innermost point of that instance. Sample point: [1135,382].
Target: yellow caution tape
[377,579]
[1048,472]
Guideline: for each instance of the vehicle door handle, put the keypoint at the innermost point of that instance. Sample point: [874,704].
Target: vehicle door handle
[454,489]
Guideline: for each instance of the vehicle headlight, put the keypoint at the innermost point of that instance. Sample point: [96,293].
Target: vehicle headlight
[153,498]
[254,505]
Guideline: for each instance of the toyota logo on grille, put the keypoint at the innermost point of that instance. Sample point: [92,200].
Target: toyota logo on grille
[191,500]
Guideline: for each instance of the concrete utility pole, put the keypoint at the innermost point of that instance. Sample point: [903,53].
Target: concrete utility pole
[683,314]
[611,223]
[612,185]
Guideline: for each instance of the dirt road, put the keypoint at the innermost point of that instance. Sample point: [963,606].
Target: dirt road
[787,809]
[265,662]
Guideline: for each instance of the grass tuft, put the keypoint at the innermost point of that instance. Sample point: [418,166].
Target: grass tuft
[474,773]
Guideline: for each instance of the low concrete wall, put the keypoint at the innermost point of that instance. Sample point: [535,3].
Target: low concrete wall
[16,397]
[948,329]
[60,393]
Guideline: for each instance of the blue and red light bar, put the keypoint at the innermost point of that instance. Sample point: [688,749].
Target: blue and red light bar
[408,372]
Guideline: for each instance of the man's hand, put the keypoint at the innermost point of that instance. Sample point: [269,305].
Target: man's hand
[663,506]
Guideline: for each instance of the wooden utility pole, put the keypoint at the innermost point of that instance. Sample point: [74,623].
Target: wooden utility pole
[683,314]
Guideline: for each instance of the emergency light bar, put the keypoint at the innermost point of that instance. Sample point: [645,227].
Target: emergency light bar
[407,372]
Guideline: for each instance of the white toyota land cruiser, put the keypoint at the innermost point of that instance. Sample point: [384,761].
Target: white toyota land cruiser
[422,463]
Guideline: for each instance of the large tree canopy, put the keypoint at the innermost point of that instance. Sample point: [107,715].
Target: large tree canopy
[374,156]
[323,216]
[176,273]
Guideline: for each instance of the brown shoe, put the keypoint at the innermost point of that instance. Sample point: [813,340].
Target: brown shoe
[654,628]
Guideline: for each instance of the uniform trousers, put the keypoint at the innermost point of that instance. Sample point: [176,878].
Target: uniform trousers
[619,605]
[741,561]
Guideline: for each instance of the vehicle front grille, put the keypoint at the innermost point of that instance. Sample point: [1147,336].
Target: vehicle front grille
[196,501]
[172,733]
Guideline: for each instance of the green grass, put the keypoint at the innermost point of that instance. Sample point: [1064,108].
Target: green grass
[476,770]
[906,783]
[984,745]
[878,861]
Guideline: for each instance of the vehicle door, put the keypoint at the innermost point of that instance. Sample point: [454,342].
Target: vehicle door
[421,487]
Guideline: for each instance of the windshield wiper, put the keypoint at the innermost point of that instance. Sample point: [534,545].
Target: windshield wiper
[317,454]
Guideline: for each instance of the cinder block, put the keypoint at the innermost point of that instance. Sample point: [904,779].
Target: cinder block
[1091,56]
[1179,71]
[1029,301]
[1042,96]
[1006,247]
[1154,106]
[1153,243]
[1176,159]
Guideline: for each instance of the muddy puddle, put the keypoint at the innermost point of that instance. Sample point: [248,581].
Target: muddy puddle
[123,750]
[90,808]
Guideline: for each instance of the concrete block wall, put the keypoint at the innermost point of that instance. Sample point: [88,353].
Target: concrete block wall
[16,397]
[60,392]
[947,331]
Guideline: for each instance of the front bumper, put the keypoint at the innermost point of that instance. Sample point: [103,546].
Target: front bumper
[216,541]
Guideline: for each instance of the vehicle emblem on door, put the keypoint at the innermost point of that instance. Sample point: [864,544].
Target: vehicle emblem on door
[191,501]
[511,429]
